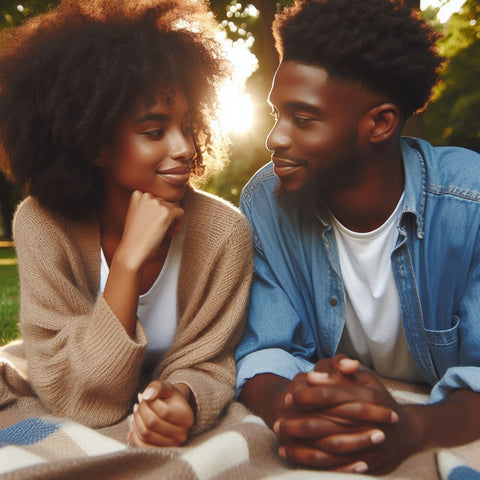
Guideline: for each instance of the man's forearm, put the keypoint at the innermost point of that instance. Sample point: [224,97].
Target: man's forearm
[452,422]
[262,393]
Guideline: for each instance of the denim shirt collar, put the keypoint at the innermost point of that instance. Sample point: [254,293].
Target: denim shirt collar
[415,183]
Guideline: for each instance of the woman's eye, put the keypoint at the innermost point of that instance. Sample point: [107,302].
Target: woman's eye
[154,133]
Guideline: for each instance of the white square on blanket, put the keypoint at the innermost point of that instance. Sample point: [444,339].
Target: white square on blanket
[231,449]
[13,457]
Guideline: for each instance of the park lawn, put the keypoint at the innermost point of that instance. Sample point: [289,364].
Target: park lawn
[9,296]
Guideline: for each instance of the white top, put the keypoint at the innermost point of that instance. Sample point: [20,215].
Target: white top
[157,308]
[373,326]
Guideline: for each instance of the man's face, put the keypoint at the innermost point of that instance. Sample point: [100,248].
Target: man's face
[314,141]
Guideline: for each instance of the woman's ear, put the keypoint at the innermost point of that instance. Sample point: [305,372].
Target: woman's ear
[98,161]
[380,123]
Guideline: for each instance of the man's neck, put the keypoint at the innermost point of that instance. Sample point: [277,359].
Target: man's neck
[368,204]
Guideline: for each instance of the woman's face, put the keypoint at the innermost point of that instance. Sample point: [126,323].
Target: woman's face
[152,149]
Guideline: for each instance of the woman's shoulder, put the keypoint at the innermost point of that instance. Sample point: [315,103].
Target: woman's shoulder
[201,204]
[30,214]
[34,223]
[208,213]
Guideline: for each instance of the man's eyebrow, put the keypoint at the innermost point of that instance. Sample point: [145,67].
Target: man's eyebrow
[159,117]
[294,105]
[301,106]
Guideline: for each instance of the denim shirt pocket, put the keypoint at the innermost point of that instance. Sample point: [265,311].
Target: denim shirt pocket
[444,346]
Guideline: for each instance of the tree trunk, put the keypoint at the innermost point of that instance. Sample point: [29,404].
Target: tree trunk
[268,53]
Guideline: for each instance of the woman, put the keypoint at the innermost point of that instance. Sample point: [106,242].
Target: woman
[129,276]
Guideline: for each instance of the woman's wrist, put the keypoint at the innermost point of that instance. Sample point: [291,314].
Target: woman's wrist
[124,260]
[186,393]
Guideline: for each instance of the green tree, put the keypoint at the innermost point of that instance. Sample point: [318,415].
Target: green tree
[248,151]
[452,117]
[14,12]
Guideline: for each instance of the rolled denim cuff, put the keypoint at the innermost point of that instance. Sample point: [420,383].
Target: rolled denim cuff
[270,360]
[456,378]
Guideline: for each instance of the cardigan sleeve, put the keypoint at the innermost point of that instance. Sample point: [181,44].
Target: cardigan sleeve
[81,362]
[216,291]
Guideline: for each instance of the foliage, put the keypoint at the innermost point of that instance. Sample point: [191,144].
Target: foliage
[9,297]
[14,12]
[248,150]
[452,117]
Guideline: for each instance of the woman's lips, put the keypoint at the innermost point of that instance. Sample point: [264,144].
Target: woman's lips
[176,175]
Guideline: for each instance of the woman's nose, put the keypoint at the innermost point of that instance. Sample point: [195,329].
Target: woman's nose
[182,147]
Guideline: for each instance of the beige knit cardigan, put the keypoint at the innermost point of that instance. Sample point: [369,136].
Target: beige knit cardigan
[81,362]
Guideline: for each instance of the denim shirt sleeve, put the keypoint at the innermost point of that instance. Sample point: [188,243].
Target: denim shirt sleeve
[280,363]
[275,340]
[454,379]
[463,372]
[442,321]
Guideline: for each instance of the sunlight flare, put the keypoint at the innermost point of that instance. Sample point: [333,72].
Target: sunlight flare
[236,105]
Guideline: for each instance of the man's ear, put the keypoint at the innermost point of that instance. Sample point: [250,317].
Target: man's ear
[380,123]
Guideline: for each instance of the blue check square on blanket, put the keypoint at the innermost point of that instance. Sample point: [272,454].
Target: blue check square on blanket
[35,441]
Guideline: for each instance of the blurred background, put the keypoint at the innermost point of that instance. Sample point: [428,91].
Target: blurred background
[452,118]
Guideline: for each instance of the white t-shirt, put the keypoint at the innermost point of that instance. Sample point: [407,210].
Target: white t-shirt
[157,308]
[373,329]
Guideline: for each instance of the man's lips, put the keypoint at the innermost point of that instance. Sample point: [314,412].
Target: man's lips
[285,166]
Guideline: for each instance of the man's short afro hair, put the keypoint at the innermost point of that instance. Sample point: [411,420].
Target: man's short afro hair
[380,44]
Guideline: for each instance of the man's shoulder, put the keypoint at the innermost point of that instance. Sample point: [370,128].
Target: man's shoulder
[454,170]
[264,181]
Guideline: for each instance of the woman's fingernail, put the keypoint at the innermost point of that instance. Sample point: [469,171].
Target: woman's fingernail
[288,399]
[394,417]
[276,427]
[148,394]
[139,397]
[282,452]
[377,436]
[359,467]
[135,407]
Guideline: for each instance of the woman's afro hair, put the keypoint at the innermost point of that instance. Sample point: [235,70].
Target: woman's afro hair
[379,44]
[69,75]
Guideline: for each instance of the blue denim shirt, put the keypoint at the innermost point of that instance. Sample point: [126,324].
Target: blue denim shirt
[297,305]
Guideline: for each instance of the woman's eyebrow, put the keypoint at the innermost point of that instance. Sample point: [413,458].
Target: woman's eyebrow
[159,117]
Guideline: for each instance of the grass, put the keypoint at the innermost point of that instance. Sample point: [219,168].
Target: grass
[9,295]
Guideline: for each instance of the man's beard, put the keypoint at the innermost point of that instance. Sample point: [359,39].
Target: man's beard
[309,195]
[316,191]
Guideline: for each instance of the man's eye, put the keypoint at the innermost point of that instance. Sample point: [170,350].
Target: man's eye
[301,121]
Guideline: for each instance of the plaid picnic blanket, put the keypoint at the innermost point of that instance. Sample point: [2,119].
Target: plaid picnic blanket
[39,446]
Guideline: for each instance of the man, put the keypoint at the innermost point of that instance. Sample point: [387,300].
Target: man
[367,245]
